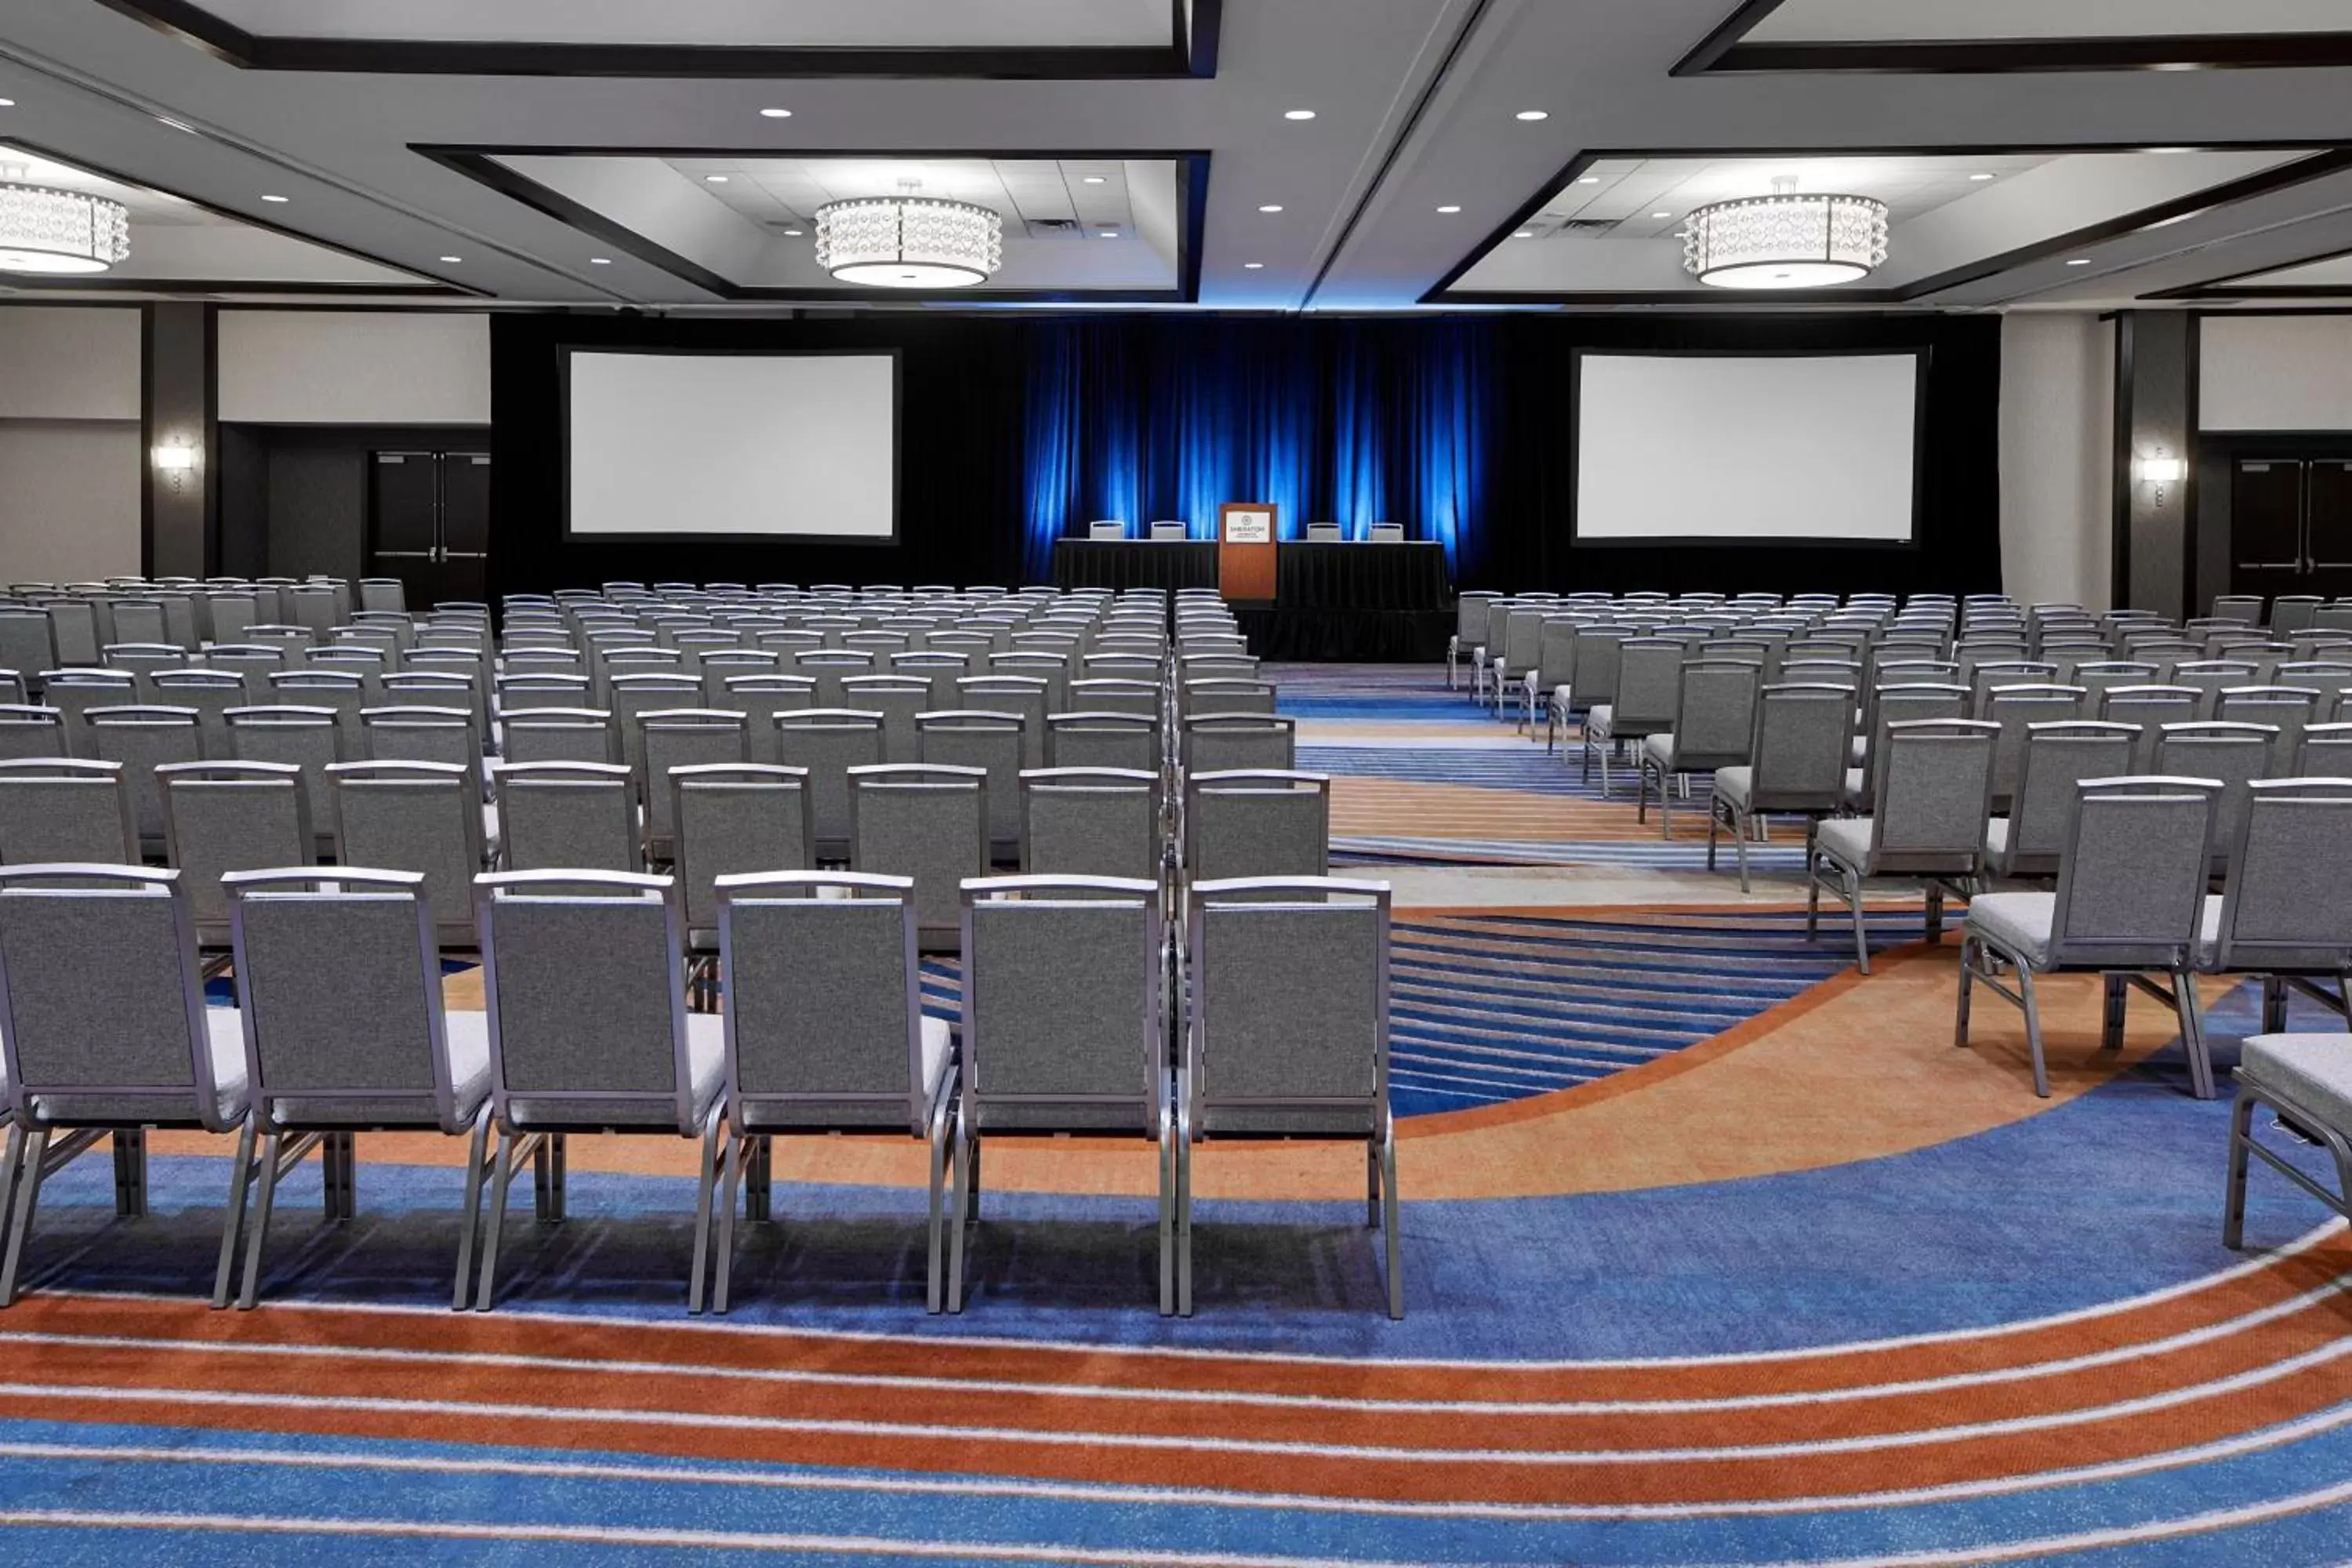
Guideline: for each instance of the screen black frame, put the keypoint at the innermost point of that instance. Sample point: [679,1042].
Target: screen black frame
[1923,356]
[893,352]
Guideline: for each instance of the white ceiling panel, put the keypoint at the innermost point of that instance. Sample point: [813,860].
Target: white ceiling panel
[799,24]
[1888,21]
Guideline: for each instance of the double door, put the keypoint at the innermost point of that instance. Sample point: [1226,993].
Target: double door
[2291,526]
[429,524]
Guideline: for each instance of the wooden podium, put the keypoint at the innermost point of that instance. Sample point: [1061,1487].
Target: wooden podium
[1245,548]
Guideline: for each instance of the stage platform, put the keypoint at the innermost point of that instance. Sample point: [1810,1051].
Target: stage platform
[1346,603]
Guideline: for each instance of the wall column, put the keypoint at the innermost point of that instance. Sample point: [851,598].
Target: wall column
[179,522]
[2156,416]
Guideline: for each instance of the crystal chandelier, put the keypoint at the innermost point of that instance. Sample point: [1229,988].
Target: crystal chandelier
[909,241]
[46,230]
[1785,241]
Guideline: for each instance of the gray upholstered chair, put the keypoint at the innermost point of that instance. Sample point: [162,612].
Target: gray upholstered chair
[420,817]
[2017,709]
[561,735]
[220,818]
[1889,705]
[2285,910]
[584,980]
[1933,779]
[1798,765]
[143,738]
[2149,707]
[900,698]
[522,691]
[140,1052]
[734,819]
[1056,970]
[1223,742]
[422,734]
[1469,633]
[1027,697]
[1221,695]
[2130,903]
[929,823]
[1262,822]
[30,730]
[24,642]
[994,743]
[1715,723]
[1090,822]
[825,1032]
[212,693]
[2234,754]
[2324,751]
[2306,1081]
[2055,761]
[1140,693]
[310,738]
[559,816]
[1129,740]
[1648,687]
[1553,679]
[59,810]
[2289,710]
[681,738]
[343,691]
[634,695]
[1288,1035]
[345,1031]
[75,691]
[825,743]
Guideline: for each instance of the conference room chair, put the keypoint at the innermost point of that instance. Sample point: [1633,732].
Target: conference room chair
[1713,727]
[66,810]
[2025,843]
[552,815]
[733,818]
[143,738]
[682,737]
[344,1031]
[519,638]
[351,643]
[1168,530]
[2235,755]
[25,645]
[31,730]
[1090,822]
[2284,912]
[418,687]
[637,693]
[560,735]
[2129,903]
[995,742]
[138,621]
[2208,678]
[308,738]
[75,691]
[1930,802]
[344,692]
[828,667]
[1324,533]
[2288,710]
[1219,743]
[825,743]
[419,817]
[2293,613]
[1555,670]
[1056,970]
[900,699]
[222,816]
[930,663]
[2324,751]
[114,1061]
[74,632]
[1038,662]
[825,1033]
[312,606]
[1103,740]
[928,824]
[1221,694]
[584,980]
[1598,661]
[1106,529]
[142,660]
[1028,697]
[1649,685]
[1247,822]
[720,665]
[2016,709]
[211,693]
[1286,1038]
[422,734]
[1796,765]
[1386,533]
[1890,705]
[2324,676]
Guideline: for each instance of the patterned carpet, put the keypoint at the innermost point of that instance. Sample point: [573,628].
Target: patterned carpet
[1715,1252]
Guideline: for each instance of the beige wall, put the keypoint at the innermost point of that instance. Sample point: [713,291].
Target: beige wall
[70,467]
[2057,423]
[335,367]
[2276,373]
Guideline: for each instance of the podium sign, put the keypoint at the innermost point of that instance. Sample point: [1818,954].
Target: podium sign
[1245,550]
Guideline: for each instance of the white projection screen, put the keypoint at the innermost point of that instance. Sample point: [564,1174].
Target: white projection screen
[1746,449]
[723,446]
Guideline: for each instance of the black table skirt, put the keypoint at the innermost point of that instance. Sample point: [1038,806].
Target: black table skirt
[1360,576]
[1120,565]
[1345,637]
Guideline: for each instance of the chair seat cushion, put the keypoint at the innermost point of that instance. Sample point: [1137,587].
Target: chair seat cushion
[2021,923]
[2313,1071]
[468,1034]
[1733,786]
[1659,750]
[1846,840]
[706,1051]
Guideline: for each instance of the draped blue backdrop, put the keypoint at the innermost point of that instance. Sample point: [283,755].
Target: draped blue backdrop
[1347,422]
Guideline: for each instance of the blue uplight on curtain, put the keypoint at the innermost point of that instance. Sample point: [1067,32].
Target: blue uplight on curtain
[1354,422]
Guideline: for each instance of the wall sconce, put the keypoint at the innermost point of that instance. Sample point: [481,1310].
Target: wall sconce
[177,459]
[2160,471]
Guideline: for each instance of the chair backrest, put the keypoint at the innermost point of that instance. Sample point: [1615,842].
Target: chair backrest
[585,987]
[1716,713]
[1118,694]
[1216,695]
[1055,970]
[1324,532]
[2131,880]
[142,739]
[418,816]
[2287,709]
[2015,709]
[2234,754]
[824,1002]
[2056,759]
[1289,1023]
[994,742]
[930,824]
[1102,740]
[1090,822]
[134,1049]
[556,814]
[212,693]
[1523,637]
[734,818]
[2150,706]
[1106,529]
[1599,661]
[24,641]
[1223,742]
[31,731]
[1899,704]
[2324,751]
[678,738]
[1388,533]
[222,816]
[75,691]
[1256,822]
[1470,617]
[1649,686]
[1930,791]
[422,735]
[339,982]
[635,695]
[66,810]
[2287,905]
[1801,746]
[561,735]
[899,697]
[825,743]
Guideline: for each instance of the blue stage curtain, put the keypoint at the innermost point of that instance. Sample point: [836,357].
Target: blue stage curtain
[1349,422]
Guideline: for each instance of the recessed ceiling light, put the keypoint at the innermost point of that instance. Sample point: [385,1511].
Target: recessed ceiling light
[714,179]
[453,260]
[1449,209]
[1253,266]
[775,114]
[795,233]
[600,261]
[1299,114]
[1980,176]
[1094,180]
[1271,208]
[1662,215]
[1110,234]
[1589,180]
[2080,261]
[274,198]
[8,103]
[1525,234]
[1532,115]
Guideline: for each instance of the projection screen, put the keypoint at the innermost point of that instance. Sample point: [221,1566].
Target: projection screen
[667,446]
[1746,449]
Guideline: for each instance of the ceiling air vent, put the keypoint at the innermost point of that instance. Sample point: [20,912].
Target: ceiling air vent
[1054,229]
